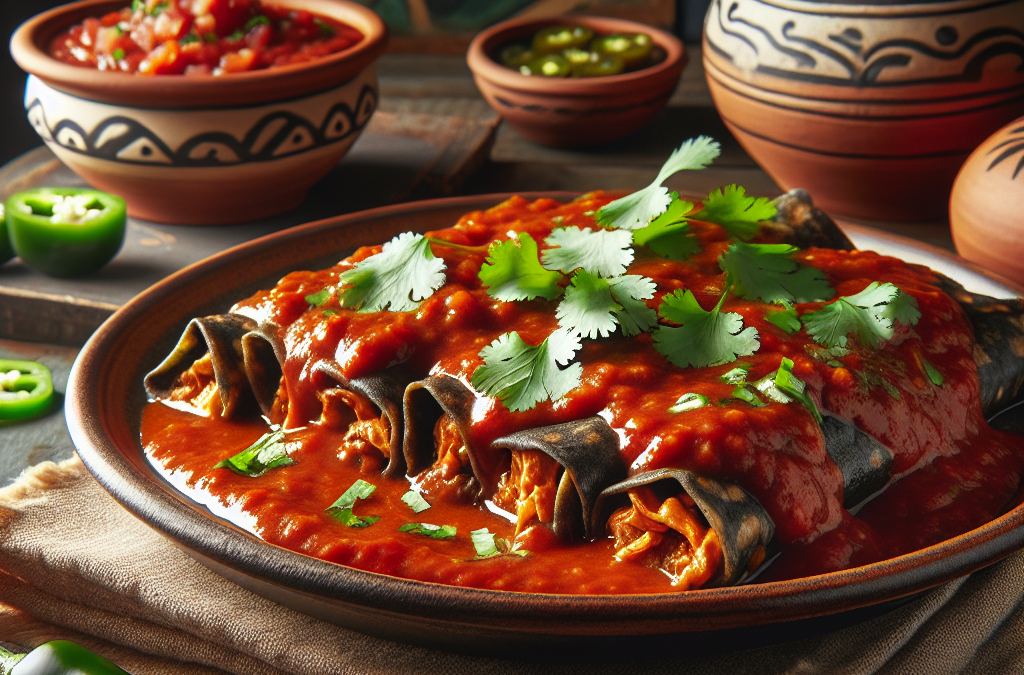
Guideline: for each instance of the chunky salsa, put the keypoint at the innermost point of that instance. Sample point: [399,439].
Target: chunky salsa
[385,445]
[201,37]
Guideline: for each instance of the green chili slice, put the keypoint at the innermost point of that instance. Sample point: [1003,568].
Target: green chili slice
[57,658]
[26,389]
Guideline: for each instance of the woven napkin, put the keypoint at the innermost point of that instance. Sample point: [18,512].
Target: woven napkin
[75,565]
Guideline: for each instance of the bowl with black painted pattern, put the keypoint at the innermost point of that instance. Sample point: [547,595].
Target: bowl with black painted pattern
[202,150]
[871,105]
[574,112]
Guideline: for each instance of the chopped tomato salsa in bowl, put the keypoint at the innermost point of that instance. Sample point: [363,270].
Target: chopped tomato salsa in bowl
[217,99]
[201,37]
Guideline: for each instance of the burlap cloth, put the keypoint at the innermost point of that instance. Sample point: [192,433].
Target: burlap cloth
[75,565]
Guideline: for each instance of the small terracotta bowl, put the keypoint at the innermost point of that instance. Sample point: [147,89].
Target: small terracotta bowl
[872,106]
[574,112]
[986,209]
[201,150]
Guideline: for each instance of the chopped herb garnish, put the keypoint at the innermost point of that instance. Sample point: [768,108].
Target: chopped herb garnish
[785,318]
[138,4]
[328,313]
[742,393]
[739,214]
[793,386]
[415,501]
[522,375]
[767,272]
[686,402]
[319,298]
[766,385]
[118,54]
[869,314]
[636,210]
[513,272]
[209,37]
[402,275]
[188,39]
[933,374]
[703,338]
[269,452]
[735,376]
[604,253]
[236,36]
[341,509]
[159,8]
[256,21]
[484,544]
[325,28]
[428,530]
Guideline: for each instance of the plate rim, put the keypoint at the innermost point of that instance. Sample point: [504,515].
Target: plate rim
[500,612]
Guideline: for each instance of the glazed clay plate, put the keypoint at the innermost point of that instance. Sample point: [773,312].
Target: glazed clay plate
[104,407]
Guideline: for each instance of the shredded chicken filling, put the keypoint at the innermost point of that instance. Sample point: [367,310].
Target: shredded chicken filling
[367,439]
[528,489]
[671,536]
[197,387]
[451,476]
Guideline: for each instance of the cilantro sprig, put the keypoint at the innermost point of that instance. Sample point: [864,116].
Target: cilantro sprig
[605,253]
[513,272]
[636,210]
[703,338]
[739,214]
[400,277]
[767,272]
[522,375]
[869,315]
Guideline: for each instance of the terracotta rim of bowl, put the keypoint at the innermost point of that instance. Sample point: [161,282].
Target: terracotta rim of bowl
[30,41]
[102,447]
[483,66]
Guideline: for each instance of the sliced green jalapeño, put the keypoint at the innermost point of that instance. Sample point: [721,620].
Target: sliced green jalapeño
[26,390]
[57,658]
[65,232]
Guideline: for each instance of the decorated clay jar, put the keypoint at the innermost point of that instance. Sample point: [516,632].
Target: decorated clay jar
[986,209]
[872,106]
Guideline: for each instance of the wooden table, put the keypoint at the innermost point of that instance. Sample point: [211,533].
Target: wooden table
[433,135]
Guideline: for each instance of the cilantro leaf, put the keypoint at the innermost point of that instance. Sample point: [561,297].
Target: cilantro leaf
[522,375]
[785,318]
[869,314]
[739,214]
[668,234]
[636,210]
[402,275]
[767,272]
[320,297]
[630,291]
[703,338]
[587,307]
[428,530]
[415,501]
[789,383]
[341,509]
[606,253]
[513,272]
[933,373]
[269,452]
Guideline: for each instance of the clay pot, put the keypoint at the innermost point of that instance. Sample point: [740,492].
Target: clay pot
[574,112]
[201,150]
[986,209]
[871,107]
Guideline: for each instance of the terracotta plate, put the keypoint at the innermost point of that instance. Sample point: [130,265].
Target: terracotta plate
[104,405]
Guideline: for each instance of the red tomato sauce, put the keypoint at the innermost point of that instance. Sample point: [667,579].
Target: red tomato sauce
[953,472]
[201,37]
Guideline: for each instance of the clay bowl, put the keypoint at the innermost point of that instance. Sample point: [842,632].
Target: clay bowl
[871,106]
[574,112]
[986,209]
[104,406]
[201,150]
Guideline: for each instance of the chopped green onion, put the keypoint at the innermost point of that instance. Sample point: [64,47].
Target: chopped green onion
[236,36]
[255,21]
[415,501]
[341,509]
[744,394]
[320,297]
[790,384]
[428,530]
[689,401]
[209,37]
[735,376]
[118,54]
[324,27]
[188,39]
[328,312]
[766,385]
[934,375]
